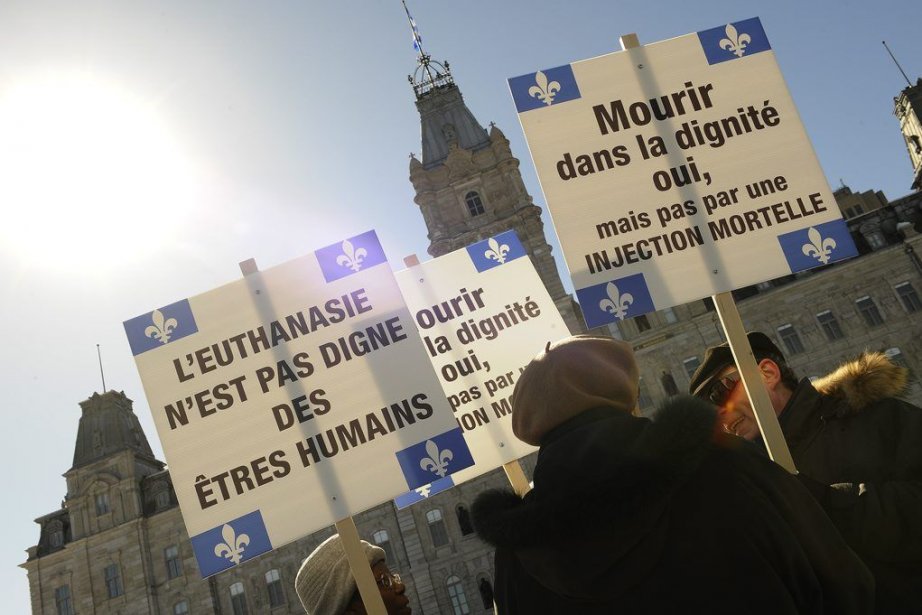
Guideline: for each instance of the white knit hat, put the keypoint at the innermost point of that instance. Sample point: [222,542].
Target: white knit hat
[325,583]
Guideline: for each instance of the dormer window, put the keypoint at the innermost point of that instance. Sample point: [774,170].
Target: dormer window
[474,203]
[55,534]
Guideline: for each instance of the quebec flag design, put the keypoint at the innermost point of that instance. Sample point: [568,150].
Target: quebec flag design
[495,251]
[422,493]
[615,300]
[733,41]
[434,458]
[160,327]
[350,256]
[544,88]
[817,245]
[231,543]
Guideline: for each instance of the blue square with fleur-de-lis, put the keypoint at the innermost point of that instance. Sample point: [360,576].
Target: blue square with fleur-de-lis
[423,493]
[434,458]
[160,327]
[231,543]
[615,300]
[544,88]
[817,245]
[495,251]
[350,256]
[733,41]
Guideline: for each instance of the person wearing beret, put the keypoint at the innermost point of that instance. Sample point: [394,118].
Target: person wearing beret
[856,446]
[325,584]
[629,515]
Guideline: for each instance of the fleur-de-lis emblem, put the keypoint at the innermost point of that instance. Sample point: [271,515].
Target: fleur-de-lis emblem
[544,90]
[819,248]
[497,251]
[424,490]
[616,303]
[437,461]
[233,546]
[162,327]
[351,257]
[735,42]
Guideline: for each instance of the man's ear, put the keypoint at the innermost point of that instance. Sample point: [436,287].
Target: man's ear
[770,372]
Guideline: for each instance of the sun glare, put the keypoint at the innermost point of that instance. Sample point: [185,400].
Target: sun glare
[89,175]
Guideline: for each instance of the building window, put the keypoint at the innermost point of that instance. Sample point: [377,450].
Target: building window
[162,499]
[173,563]
[464,521]
[908,297]
[102,503]
[709,304]
[62,600]
[113,581]
[670,388]
[55,534]
[474,204]
[669,316]
[875,240]
[382,539]
[181,608]
[830,325]
[790,339]
[238,599]
[456,594]
[643,397]
[643,323]
[691,364]
[437,528]
[868,310]
[274,587]
[486,594]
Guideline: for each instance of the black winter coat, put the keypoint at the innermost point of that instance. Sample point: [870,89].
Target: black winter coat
[860,450]
[632,516]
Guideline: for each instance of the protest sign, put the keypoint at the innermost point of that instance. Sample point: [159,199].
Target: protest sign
[291,399]
[483,314]
[677,170]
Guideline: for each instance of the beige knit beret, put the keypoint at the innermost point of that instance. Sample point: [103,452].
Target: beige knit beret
[325,583]
[570,376]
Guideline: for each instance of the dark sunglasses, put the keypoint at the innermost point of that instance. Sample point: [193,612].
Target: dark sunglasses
[721,388]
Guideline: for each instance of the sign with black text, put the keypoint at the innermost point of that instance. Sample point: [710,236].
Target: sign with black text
[677,170]
[293,398]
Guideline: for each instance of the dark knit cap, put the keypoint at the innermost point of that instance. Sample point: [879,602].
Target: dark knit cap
[716,358]
[570,377]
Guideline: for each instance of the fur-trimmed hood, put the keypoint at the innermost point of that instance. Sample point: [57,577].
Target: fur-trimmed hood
[869,378]
[602,484]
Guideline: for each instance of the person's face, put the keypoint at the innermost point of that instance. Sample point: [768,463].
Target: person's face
[392,592]
[735,412]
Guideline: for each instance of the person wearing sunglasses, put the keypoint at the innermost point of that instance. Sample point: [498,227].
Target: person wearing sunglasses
[325,584]
[629,515]
[857,448]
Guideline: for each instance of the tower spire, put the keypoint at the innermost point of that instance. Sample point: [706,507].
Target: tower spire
[429,74]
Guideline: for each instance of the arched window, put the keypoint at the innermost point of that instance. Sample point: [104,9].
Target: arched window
[238,599]
[464,520]
[382,539]
[274,587]
[456,595]
[474,204]
[437,528]
[486,593]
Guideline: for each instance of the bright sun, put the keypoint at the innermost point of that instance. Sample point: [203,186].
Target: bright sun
[89,176]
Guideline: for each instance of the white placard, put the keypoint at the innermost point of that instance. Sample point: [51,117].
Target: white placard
[677,170]
[292,398]
[483,314]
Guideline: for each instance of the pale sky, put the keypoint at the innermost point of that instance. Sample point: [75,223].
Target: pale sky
[146,148]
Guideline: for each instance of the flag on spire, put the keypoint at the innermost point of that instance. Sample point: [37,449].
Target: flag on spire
[417,39]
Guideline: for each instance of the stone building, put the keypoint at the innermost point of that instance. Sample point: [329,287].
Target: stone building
[908,110]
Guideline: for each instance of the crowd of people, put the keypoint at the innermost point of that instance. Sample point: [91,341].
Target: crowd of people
[685,512]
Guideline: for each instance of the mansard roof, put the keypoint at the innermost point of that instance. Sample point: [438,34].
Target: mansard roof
[108,425]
